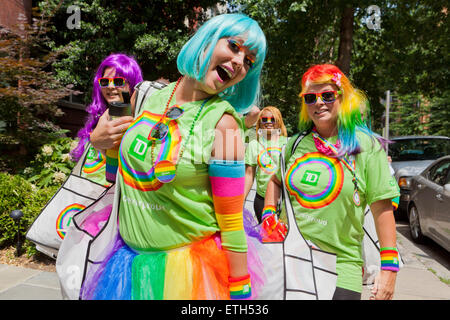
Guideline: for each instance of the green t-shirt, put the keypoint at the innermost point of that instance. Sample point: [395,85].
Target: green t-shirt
[155,216]
[321,192]
[94,167]
[265,156]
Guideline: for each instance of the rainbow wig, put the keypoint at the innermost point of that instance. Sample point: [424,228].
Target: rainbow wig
[126,67]
[194,58]
[353,107]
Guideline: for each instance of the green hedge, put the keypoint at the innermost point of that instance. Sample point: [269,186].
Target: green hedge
[18,193]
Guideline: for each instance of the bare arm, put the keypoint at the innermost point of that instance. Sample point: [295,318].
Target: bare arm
[251,117]
[385,226]
[249,176]
[228,144]
[273,192]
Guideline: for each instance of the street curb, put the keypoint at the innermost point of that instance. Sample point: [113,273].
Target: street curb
[413,252]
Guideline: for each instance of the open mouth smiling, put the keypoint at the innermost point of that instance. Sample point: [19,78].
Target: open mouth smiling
[224,73]
[320,111]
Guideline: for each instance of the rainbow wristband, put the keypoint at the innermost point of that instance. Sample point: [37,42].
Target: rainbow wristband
[389,259]
[240,287]
[268,211]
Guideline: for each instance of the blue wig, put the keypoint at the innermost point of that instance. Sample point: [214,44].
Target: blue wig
[193,62]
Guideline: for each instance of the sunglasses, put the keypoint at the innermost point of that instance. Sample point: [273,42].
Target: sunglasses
[117,82]
[265,120]
[160,129]
[326,96]
[236,46]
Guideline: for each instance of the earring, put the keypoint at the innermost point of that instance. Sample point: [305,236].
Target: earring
[260,132]
[279,131]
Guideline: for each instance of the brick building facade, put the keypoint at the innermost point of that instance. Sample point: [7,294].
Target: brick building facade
[12,10]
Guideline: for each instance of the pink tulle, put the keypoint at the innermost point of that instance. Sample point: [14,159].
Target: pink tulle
[96,221]
[255,266]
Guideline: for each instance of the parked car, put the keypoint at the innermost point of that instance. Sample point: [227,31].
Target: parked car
[429,208]
[410,156]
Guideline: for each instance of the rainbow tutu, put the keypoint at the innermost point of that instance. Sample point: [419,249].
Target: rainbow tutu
[198,271]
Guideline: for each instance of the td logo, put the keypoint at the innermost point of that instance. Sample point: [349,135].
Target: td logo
[139,147]
[92,154]
[310,177]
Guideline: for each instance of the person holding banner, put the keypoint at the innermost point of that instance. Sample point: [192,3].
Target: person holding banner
[116,73]
[181,177]
[338,168]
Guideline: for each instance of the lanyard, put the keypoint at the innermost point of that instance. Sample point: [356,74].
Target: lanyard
[266,149]
[349,163]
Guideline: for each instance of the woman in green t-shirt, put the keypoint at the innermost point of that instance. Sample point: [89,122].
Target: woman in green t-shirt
[335,171]
[262,155]
[181,177]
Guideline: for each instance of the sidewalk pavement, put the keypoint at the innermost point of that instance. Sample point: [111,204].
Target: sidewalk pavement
[18,283]
[414,282]
[419,277]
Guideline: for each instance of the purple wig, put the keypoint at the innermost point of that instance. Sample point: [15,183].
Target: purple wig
[125,67]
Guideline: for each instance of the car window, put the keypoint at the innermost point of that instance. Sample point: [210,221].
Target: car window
[419,149]
[439,174]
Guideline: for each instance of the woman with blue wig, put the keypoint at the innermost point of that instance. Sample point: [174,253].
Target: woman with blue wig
[181,177]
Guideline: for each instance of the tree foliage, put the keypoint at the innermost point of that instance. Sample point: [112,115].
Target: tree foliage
[407,55]
[29,91]
[153,32]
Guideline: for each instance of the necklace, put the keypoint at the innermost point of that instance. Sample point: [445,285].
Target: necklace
[163,116]
[191,130]
[165,170]
[349,163]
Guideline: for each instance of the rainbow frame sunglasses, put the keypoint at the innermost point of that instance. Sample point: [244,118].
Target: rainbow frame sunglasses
[160,130]
[118,82]
[328,96]
[265,120]
[234,44]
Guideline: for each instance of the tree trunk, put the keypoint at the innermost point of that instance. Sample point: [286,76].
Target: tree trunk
[346,39]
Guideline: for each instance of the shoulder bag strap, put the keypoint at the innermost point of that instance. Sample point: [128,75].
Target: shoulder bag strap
[143,90]
[284,159]
[77,169]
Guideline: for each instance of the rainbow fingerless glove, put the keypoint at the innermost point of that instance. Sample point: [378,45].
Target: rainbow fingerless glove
[274,230]
[240,287]
[389,259]
[228,183]
[112,162]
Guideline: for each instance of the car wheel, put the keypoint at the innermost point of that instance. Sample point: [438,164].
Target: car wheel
[414,225]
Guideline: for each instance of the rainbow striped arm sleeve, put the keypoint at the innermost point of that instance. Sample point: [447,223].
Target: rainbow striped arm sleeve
[389,259]
[395,202]
[112,163]
[228,184]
